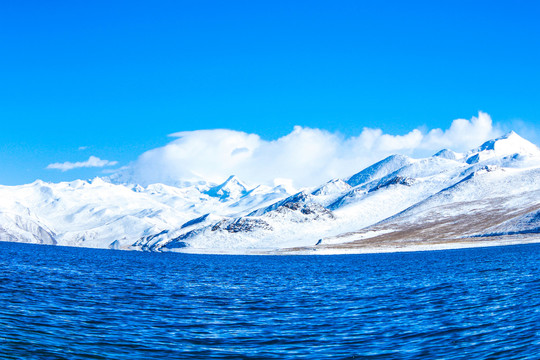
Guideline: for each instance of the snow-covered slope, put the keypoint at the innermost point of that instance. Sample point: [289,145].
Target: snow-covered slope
[487,204]
[490,192]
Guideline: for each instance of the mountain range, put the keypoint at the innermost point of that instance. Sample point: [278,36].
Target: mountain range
[487,196]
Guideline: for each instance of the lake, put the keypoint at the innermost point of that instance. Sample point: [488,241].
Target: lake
[74,303]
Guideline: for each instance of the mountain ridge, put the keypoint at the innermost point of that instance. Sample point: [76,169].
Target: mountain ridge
[501,177]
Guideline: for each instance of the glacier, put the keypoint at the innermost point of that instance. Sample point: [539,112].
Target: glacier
[489,195]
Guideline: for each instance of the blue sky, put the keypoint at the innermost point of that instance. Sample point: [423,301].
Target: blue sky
[113,79]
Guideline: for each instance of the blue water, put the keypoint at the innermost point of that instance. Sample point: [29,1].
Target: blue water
[69,303]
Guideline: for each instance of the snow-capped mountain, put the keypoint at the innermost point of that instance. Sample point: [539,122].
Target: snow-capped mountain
[489,194]
[102,214]
[232,188]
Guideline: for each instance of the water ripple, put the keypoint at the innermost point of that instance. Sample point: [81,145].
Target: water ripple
[67,303]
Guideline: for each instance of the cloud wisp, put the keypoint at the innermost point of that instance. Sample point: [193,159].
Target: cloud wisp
[305,157]
[93,161]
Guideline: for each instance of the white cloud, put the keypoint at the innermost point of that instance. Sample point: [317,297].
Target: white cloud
[306,156]
[463,134]
[92,161]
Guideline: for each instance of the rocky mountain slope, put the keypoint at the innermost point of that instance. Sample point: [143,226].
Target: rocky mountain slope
[487,194]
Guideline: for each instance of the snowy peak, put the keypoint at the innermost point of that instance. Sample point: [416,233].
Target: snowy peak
[448,154]
[380,169]
[508,144]
[264,190]
[332,187]
[232,188]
